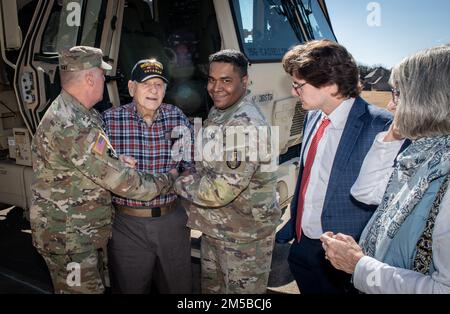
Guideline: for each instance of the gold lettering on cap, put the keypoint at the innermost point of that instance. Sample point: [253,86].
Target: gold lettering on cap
[152,67]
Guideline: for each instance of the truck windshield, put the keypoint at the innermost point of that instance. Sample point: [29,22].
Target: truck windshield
[268,28]
[66,28]
[315,21]
[264,31]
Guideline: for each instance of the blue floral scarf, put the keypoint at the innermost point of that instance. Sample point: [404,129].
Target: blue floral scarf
[424,161]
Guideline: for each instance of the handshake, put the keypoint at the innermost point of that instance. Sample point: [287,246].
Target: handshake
[131,162]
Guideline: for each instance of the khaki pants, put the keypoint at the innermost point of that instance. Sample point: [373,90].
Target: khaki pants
[78,273]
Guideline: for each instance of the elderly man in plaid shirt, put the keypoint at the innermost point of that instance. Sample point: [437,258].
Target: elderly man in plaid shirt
[150,241]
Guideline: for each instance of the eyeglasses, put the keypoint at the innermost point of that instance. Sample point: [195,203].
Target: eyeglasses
[395,95]
[297,86]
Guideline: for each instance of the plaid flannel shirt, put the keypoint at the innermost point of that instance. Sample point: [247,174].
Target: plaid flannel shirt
[151,145]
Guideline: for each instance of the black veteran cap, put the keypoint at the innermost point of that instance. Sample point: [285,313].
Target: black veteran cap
[147,69]
[80,58]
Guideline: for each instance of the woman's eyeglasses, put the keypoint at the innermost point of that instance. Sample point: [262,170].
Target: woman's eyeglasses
[395,95]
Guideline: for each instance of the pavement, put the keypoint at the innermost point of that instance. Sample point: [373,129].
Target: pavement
[23,271]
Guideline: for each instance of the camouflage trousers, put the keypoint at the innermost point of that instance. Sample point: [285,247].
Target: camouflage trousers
[235,268]
[78,273]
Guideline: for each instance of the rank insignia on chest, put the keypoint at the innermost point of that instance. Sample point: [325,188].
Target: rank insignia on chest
[233,162]
[101,143]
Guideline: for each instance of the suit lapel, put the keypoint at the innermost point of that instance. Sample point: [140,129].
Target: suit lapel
[352,130]
[350,135]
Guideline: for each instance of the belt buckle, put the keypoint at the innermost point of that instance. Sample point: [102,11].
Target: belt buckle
[156,212]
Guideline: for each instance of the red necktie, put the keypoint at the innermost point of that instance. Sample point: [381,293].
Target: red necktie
[306,174]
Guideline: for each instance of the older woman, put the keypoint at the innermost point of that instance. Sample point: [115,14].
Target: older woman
[405,247]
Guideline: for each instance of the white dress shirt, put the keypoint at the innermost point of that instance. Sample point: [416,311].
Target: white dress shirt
[376,171]
[321,168]
[372,276]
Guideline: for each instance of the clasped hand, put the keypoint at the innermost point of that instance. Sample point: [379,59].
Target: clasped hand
[342,251]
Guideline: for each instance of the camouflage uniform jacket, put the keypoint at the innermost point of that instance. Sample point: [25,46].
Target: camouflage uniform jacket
[231,200]
[75,167]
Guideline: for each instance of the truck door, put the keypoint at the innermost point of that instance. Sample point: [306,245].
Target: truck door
[59,25]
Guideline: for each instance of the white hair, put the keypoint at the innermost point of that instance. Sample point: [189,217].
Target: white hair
[424,103]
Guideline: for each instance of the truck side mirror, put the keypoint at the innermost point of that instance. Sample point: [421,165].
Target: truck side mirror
[10,29]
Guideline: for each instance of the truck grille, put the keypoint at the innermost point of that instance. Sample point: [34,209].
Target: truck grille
[297,121]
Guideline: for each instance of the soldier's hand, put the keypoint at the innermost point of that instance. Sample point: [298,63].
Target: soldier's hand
[185,173]
[174,173]
[129,161]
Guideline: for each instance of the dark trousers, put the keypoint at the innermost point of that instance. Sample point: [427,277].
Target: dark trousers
[313,273]
[145,251]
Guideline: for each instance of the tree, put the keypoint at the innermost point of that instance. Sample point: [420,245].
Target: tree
[365,69]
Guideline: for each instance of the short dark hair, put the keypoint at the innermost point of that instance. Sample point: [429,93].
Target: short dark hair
[236,58]
[322,63]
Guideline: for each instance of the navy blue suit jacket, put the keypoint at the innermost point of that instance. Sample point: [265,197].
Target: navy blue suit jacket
[341,212]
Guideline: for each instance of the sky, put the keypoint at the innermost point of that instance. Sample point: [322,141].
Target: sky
[385,31]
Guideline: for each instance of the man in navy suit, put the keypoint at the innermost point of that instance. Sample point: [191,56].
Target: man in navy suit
[339,130]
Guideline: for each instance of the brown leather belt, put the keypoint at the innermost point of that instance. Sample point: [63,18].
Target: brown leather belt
[147,212]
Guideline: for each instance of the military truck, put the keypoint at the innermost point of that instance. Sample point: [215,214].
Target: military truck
[180,33]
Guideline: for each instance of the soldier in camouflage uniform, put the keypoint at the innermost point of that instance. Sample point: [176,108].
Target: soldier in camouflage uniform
[232,201]
[75,168]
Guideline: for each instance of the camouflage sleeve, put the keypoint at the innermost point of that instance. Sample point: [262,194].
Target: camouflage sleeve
[189,164]
[218,183]
[92,154]
[216,186]
[188,131]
